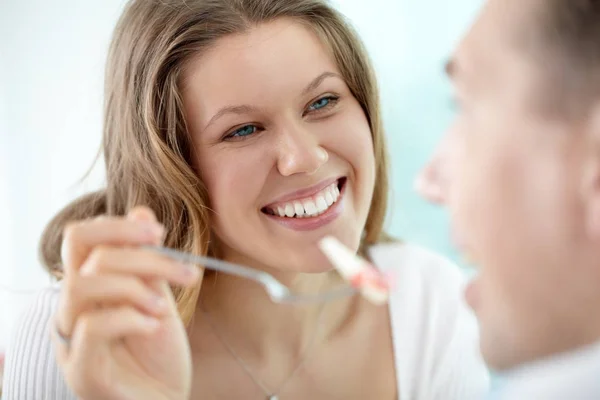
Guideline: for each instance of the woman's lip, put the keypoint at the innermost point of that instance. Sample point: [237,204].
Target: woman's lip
[312,223]
[303,193]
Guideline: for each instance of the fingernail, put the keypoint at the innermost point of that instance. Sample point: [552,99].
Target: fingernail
[163,237]
[156,230]
[189,271]
[157,303]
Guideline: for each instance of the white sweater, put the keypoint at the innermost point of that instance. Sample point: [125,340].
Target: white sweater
[434,334]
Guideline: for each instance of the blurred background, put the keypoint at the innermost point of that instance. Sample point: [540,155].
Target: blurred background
[51,75]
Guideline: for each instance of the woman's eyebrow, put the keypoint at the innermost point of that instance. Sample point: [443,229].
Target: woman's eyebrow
[318,80]
[247,109]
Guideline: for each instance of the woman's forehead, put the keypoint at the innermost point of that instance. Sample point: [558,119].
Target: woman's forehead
[272,62]
[278,46]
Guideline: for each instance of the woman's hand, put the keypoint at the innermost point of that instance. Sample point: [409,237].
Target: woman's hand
[127,341]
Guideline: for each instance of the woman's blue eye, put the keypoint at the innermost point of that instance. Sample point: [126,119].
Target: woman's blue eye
[319,104]
[243,131]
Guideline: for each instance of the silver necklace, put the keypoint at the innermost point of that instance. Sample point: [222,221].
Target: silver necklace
[270,394]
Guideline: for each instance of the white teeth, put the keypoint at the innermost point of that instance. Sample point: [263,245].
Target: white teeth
[321,204]
[289,210]
[298,208]
[328,198]
[310,208]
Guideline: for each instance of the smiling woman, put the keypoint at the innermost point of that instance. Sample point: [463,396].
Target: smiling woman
[279,140]
[247,130]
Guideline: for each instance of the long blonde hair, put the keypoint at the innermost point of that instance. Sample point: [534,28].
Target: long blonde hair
[146,148]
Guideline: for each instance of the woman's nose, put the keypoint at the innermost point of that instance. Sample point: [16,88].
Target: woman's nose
[300,153]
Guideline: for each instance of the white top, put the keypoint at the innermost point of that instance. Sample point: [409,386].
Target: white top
[574,375]
[435,336]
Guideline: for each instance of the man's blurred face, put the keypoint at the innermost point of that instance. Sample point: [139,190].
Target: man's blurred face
[522,191]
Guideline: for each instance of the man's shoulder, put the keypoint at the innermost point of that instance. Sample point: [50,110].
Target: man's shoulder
[570,375]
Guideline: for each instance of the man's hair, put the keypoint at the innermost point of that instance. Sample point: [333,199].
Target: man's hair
[570,47]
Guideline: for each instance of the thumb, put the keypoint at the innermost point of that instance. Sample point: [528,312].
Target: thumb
[143,213]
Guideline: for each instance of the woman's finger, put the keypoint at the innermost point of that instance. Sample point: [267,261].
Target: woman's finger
[104,326]
[139,262]
[79,238]
[87,362]
[84,293]
[141,214]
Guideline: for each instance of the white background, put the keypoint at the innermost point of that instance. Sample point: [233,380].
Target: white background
[52,57]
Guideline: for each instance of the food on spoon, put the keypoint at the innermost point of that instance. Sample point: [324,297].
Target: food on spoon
[371,283]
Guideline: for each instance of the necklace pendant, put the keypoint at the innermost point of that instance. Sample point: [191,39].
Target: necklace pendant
[273,397]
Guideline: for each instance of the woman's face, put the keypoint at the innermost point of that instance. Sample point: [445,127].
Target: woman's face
[284,148]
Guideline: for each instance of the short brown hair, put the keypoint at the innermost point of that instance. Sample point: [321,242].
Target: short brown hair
[568,33]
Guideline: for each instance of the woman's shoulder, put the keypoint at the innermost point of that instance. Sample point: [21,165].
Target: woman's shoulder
[31,371]
[434,332]
[428,289]
[39,310]
[425,283]
[45,300]
[31,332]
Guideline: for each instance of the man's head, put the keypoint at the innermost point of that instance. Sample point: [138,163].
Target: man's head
[519,171]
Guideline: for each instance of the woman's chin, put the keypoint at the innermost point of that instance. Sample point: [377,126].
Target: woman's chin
[317,265]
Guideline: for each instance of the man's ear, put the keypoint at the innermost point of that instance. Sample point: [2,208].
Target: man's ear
[591,175]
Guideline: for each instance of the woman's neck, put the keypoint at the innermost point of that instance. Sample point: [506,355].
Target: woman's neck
[242,311]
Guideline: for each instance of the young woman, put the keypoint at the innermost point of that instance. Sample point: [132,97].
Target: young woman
[246,130]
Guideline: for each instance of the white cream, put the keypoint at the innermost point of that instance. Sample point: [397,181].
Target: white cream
[349,265]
